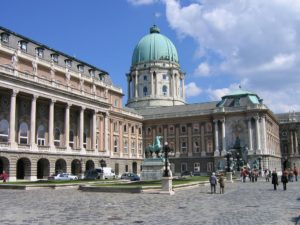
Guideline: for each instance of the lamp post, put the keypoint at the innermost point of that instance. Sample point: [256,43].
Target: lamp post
[238,161]
[166,150]
[228,173]
[259,164]
[228,155]
[167,177]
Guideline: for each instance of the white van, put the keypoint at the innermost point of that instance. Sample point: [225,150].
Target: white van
[108,172]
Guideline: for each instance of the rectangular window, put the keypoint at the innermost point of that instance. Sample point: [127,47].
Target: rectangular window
[125,128]
[116,103]
[54,58]
[208,127]
[80,68]
[183,147]
[23,46]
[196,167]
[140,131]
[183,167]
[196,128]
[171,129]
[57,143]
[39,52]
[133,148]
[140,147]
[210,167]
[183,129]
[5,38]
[125,146]
[116,127]
[196,146]
[92,72]
[209,146]
[68,63]
[126,168]
[41,141]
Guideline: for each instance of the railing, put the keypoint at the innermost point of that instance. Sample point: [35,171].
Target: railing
[4,145]
[60,148]
[53,84]
[23,147]
[44,148]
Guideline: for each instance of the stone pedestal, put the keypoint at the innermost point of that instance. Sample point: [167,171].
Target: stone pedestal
[167,186]
[152,169]
[229,177]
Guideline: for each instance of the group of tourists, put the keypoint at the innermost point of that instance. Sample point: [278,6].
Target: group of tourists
[288,175]
[214,181]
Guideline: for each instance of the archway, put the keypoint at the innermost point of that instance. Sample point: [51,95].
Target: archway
[89,165]
[4,165]
[60,166]
[23,168]
[134,167]
[43,168]
[76,167]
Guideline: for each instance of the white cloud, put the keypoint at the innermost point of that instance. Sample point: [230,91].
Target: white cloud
[202,70]
[192,90]
[157,15]
[142,2]
[217,94]
[254,40]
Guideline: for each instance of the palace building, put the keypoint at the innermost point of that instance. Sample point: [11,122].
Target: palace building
[59,113]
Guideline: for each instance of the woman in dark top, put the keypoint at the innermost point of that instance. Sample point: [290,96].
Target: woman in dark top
[274,179]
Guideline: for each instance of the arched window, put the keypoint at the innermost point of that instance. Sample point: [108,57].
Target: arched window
[71,139]
[57,137]
[23,133]
[145,91]
[165,90]
[4,130]
[41,135]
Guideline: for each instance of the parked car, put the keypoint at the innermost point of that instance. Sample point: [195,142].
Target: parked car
[98,172]
[63,176]
[130,176]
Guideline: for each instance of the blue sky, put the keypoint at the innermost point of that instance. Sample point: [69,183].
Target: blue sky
[221,44]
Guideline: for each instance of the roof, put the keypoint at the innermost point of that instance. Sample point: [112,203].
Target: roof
[178,110]
[153,47]
[54,50]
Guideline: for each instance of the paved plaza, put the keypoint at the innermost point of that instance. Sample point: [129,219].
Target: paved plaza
[242,204]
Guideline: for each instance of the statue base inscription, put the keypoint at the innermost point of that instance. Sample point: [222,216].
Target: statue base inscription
[152,169]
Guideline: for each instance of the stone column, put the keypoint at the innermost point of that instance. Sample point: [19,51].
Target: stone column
[296,144]
[183,91]
[152,84]
[32,121]
[81,127]
[67,125]
[51,122]
[217,153]
[12,118]
[258,147]
[292,142]
[136,86]
[190,141]
[223,137]
[156,85]
[264,135]
[128,87]
[250,135]
[94,132]
[106,138]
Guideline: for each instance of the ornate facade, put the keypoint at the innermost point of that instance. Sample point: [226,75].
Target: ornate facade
[59,113]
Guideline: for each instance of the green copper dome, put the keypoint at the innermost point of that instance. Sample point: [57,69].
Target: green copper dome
[154,46]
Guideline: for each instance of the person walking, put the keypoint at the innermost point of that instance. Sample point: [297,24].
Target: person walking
[4,176]
[222,184]
[213,182]
[296,173]
[284,179]
[274,179]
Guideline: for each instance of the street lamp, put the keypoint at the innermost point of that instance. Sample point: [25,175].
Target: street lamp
[259,164]
[166,150]
[238,161]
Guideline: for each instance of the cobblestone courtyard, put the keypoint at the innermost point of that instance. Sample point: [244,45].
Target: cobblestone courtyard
[242,204]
